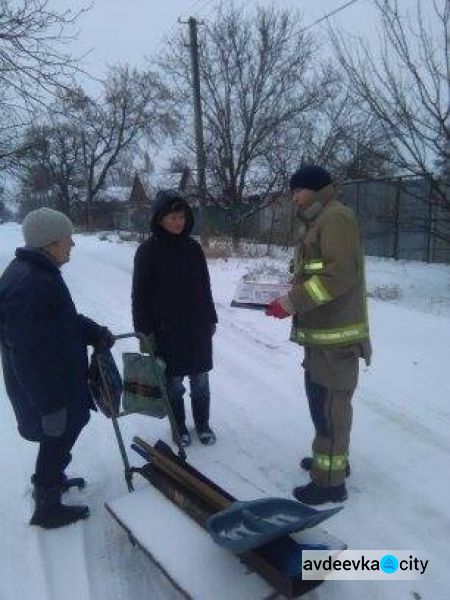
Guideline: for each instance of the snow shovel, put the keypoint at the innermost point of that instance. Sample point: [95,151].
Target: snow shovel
[247,525]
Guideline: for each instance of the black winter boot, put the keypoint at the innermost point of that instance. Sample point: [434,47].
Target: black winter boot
[185,436]
[50,513]
[67,483]
[314,494]
[206,436]
[70,482]
[307,462]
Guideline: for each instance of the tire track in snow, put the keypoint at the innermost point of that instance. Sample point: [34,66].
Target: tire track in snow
[255,367]
[46,565]
[117,570]
[393,516]
[63,559]
[405,422]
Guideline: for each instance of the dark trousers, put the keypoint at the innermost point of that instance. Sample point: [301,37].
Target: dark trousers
[331,413]
[200,399]
[54,456]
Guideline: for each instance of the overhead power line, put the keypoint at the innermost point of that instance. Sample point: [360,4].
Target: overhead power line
[331,14]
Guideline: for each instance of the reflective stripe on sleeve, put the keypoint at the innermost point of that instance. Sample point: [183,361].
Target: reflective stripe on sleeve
[317,291]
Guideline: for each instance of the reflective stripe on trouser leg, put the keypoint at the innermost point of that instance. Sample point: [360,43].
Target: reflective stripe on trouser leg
[330,451]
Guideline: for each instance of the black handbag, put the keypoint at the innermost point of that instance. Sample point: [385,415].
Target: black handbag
[105,382]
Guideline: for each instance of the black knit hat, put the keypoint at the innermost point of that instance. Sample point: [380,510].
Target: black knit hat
[310,177]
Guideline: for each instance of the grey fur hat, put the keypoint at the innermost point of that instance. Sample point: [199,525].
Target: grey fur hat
[44,226]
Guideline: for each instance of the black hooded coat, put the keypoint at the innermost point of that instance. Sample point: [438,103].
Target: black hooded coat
[171,294]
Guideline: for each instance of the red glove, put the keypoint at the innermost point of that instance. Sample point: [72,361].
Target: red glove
[275,309]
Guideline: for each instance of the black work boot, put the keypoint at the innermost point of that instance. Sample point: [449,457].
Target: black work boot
[315,494]
[50,513]
[307,462]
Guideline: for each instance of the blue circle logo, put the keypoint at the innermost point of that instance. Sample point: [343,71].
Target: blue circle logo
[389,563]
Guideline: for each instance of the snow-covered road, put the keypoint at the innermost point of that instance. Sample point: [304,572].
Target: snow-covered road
[398,491]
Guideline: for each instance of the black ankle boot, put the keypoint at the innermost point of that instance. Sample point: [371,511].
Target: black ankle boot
[315,494]
[50,513]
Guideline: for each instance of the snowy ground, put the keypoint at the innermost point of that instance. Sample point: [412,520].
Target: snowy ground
[399,488]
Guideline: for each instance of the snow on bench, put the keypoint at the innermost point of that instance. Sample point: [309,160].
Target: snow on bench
[183,550]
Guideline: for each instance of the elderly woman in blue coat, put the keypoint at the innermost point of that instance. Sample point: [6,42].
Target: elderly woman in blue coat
[43,341]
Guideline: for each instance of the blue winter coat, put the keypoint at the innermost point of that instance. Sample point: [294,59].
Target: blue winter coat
[43,344]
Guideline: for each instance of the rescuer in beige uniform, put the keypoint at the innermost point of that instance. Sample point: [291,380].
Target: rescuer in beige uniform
[328,306]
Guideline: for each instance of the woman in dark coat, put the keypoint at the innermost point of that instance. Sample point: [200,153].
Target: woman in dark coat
[173,306]
[43,343]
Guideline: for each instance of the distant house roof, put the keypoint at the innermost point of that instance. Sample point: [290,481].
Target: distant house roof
[187,182]
[169,181]
[138,195]
[182,181]
[114,193]
[133,195]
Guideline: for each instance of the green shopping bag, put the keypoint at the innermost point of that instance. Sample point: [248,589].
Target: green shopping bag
[143,380]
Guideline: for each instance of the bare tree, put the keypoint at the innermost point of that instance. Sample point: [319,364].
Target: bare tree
[84,140]
[346,139]
[34,62]
[133,104]
[51,161]
[406,88]
[131,162]
[259,86]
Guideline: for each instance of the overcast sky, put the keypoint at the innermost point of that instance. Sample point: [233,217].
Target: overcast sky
[128,30]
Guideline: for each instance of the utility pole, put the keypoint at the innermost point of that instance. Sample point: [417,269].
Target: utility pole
[199,143]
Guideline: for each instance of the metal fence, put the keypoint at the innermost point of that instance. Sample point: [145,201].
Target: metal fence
[400,218]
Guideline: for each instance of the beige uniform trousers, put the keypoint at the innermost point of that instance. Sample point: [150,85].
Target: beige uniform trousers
[331,376]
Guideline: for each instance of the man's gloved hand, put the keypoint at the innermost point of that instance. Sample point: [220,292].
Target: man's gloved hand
[106,341]
[54,424]
[148,345]
[275,309]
